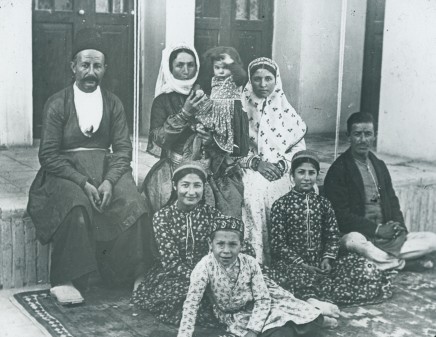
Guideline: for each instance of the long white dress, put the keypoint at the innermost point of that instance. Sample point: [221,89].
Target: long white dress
[276,133]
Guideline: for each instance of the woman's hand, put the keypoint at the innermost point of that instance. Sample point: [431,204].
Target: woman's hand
[195,99]
[269,171]
[205,135]
[105,190]
[326,266]
[93,196]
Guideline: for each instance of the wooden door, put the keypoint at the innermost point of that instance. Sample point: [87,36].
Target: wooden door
[372,61]
[55,23]
[245,25]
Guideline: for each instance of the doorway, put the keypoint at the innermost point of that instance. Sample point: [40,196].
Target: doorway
[246,25]
[372,59]
[55,23]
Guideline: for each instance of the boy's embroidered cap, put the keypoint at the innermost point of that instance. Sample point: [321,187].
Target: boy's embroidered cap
[224,222]
[195,165]
[305,154]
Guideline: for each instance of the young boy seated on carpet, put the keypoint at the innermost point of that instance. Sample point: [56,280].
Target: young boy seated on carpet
[248,303]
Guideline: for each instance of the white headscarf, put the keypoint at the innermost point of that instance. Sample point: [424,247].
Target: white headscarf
[275,128]
[166,82]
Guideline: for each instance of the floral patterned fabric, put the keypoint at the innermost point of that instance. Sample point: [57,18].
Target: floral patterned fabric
[276,133]
[304,230]
[220,112]
[181,239]
[251,302]
[275,126]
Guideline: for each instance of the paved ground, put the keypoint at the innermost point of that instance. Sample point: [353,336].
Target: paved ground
[18,167]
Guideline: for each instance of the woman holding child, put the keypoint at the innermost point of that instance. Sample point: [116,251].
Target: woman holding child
[186,125]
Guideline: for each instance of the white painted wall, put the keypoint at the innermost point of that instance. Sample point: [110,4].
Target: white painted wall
[180,21]
[407,115]
[153,24]
[16,73]
[306,47]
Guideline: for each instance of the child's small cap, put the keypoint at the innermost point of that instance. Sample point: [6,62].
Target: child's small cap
[191,164]
[224,222]
[301,157]
[305,154]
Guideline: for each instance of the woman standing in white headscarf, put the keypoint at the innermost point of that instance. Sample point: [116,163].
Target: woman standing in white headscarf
[276,134]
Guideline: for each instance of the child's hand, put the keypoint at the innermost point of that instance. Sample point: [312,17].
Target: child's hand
[225,58]
[326,266]
[313,268]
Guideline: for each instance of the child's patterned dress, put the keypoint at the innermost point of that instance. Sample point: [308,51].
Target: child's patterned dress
[223,115]
[304,230]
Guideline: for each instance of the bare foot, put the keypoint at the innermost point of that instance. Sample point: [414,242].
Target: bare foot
[327,309]
[138,281]
[330,323]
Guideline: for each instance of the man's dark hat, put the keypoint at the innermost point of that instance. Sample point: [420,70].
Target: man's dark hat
[89,38]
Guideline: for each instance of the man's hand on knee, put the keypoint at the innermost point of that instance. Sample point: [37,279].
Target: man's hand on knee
[105,191]
[386,231]
[93,196]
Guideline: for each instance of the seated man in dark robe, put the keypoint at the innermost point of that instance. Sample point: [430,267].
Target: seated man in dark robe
[360,189]
[84,200]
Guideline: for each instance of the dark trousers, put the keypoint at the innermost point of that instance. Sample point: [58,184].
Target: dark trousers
[75,252]
[291,329]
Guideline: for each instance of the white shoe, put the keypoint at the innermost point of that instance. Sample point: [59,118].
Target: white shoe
[67,294]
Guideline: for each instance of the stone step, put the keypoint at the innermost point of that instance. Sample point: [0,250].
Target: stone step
[24,261]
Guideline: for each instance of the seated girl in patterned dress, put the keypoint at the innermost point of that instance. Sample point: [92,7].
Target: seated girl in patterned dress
[248,303]
[304,243]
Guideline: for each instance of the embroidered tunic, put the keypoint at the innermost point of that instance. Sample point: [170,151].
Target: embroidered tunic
[249,302]
[304,230]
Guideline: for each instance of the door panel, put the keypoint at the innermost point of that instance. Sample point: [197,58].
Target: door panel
[207,34]
[55,23]
[372,61]
[119,74]
[248,44]
[245,25]
[51,70]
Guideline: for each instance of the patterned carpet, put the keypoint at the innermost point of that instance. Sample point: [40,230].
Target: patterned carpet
[411,312]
